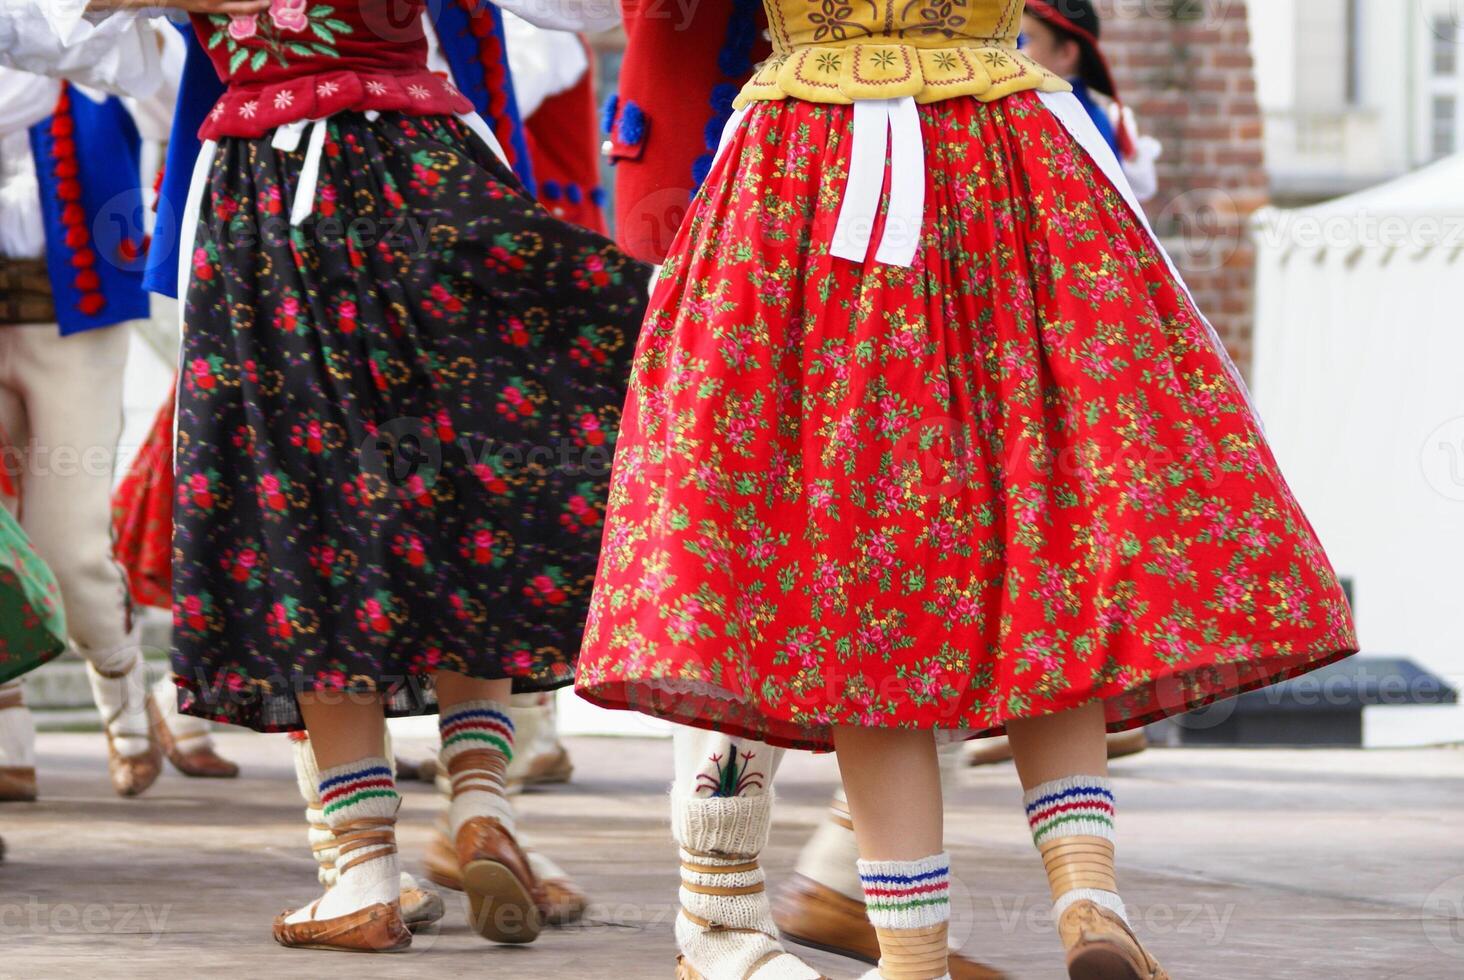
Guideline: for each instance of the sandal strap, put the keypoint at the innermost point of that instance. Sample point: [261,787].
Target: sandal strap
[377,833]
[711,926]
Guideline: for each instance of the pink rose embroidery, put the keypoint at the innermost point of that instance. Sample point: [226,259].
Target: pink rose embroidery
[243,26]
[289,15]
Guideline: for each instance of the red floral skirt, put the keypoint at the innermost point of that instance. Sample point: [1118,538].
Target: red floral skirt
[1011,480]
[142,515]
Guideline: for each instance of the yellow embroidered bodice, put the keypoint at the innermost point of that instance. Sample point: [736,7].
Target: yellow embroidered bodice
[841,51]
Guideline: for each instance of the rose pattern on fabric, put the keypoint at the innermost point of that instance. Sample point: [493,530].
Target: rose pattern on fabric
[353,509]
[1013,479]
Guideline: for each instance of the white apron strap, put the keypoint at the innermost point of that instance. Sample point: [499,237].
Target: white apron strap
[1075,119]
[187,241]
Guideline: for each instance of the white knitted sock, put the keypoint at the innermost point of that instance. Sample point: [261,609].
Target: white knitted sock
[188,732]
[121,700]
[721,810]
[904,897]
[907,894]
[1075,806]
[485,729]
[358,791]
[321,837]
[17,729]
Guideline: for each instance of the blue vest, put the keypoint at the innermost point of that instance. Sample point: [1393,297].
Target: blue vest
[108,158]
[201,88]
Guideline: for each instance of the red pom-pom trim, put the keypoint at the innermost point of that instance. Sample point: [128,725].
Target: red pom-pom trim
[67,170]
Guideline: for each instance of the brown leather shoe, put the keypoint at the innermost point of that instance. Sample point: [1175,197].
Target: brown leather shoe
[441,862]
[421,907]
[560,900]
[1102,947]
[547,768]
[813,915]
[375,929]
[133,775]
[17,784]
[499,883]
[201,762]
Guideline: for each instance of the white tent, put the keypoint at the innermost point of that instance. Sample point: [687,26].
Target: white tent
[1359,378]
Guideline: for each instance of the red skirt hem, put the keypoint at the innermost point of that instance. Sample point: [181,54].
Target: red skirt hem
[650,699]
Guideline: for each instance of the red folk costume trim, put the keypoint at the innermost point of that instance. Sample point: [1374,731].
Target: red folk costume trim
[77,240]
[495,75]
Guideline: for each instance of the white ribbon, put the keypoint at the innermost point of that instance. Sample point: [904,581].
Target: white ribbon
[287,140]
[874,120]
[1075,119]
[479,128]
[187,241]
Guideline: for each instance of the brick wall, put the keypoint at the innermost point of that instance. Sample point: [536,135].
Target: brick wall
[1185,67]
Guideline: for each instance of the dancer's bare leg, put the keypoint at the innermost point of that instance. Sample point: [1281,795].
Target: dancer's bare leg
[892,780]
[421,905]
[1062,760]
[477,749]
[359,803]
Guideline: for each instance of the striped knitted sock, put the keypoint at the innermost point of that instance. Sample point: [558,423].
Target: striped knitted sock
[477,748]
[358,795]
[909,905]
[1072,827]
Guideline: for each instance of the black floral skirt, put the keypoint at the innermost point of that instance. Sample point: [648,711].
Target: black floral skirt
[395,425]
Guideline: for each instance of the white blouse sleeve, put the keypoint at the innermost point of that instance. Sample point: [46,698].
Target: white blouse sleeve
[588,16]
[118,52]
[543,63]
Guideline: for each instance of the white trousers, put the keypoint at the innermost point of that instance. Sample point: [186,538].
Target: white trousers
[61,413]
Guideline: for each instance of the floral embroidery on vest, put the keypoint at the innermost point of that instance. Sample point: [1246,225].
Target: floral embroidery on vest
[255,41]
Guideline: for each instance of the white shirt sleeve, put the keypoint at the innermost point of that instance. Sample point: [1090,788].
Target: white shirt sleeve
[589,16]
[543,62]
[118,52]
[1142,171]
[22,229]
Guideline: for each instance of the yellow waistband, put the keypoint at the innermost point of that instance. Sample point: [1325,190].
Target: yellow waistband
[847,73]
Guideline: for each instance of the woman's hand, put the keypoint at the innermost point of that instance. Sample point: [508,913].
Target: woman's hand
[229,8]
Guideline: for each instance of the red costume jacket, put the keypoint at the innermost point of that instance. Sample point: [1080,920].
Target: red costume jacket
[677,82]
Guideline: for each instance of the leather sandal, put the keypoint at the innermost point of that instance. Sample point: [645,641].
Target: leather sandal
[198,762]
[377,928]
[814,915]
[499,883]
[1101,946]
[131,775]
[421,907]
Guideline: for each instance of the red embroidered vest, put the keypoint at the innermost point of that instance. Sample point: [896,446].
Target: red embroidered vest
[308,59]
